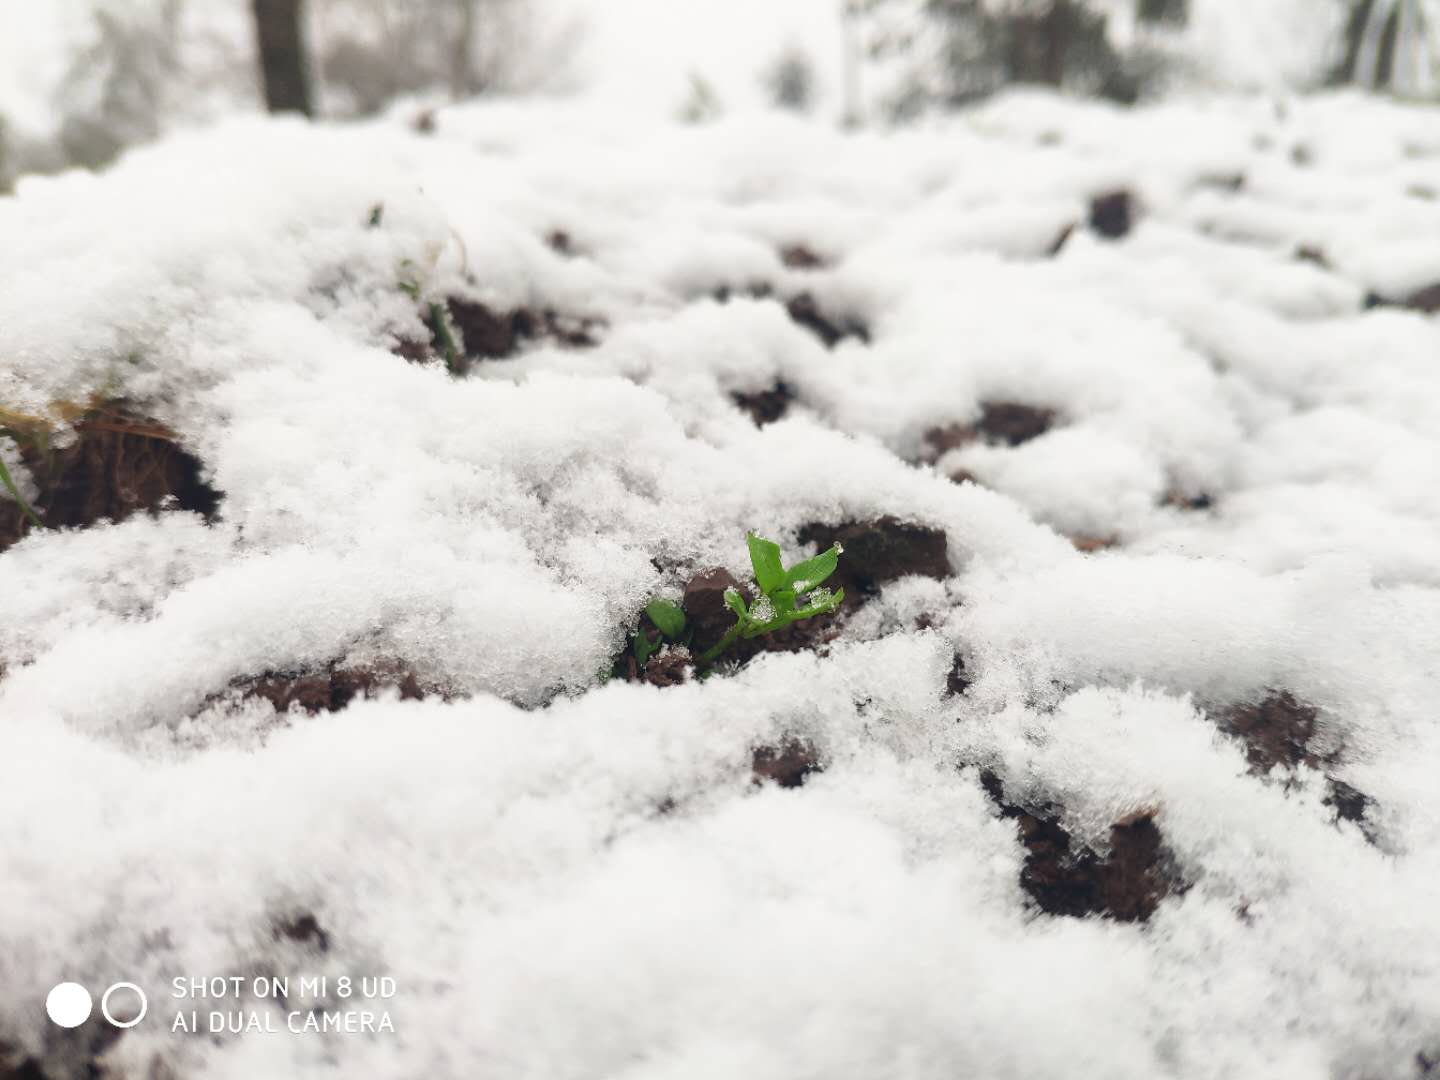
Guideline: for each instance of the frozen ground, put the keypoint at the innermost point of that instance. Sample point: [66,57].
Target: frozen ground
[570,877]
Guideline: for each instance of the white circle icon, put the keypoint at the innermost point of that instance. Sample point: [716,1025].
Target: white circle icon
[105,1005]
[69,1004]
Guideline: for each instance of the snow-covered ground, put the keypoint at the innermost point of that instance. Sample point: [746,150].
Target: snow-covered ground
[575,876]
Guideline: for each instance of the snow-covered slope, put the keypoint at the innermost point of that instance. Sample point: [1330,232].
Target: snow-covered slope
[1175,815]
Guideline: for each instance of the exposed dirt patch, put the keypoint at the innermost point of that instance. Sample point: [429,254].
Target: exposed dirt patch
[1112,213]
[803,257]
[487,334]
[561,242]
[957,681]
[304,929]
[1001,423]
[805,310]
[464,332]
[707,618]
[1064,877]
[1091,544]
[1426,300]
[329,689]
[787,765]
[1181,500]
[881,550]
[1314,255]
[1277,731]
[119,464]
[766,406]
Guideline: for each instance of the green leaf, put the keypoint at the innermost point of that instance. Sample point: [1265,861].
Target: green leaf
[667,617]
[765,557]
[643,649]
[9,484]
[736,603]
[822,603]
[804,576]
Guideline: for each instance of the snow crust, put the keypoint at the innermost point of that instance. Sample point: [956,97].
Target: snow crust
[571,879]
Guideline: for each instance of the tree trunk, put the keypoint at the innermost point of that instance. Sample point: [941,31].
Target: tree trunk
[462,78]
[282,56]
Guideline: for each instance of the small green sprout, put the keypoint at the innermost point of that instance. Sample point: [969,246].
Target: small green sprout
[780,589]
[668,619]
[8,483]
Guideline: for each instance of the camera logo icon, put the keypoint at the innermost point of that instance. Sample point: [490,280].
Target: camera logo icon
[69,1005]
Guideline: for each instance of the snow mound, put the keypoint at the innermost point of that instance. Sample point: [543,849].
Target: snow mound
[1135,782]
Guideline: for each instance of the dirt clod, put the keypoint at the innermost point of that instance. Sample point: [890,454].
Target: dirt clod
[881,550]
[560,242]
[486,333]
[1007,423]
[1064,877]
[1275,731]
[766,406]
[119,464]
[330,689]
[705,611]
[831,330]
[1112,213]
[669,667]
[305,929]
[1426,300]
[787,765]
[958,680]
[802,257]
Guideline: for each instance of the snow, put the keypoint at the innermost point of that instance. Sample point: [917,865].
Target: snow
[577,878]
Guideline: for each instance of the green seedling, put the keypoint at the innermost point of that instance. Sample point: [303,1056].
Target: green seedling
[668,619]
[8,483]
[781,592]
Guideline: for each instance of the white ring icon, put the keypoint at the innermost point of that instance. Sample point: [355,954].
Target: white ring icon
[105,1004]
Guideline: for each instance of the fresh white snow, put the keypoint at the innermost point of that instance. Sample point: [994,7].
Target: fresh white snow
[575,879]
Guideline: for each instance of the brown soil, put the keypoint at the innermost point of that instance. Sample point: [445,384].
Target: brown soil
[494,335]
[1090,544]
[804,310]
[484,333]
[119,464]
[1277,731]
[830,329]
[766,406]
[1426,300]
[801,257]
[958,680]
[304,929]
[1065,877]
[1180,500]
[561,242]
[1112,213]
[787,765]
[330,689]
[707,618]
[881,550]
[1006,423]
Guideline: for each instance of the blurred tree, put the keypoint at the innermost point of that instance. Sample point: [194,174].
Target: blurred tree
[1394,44]
[791,80]
[284,70]
[117,88]
[1175,12]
